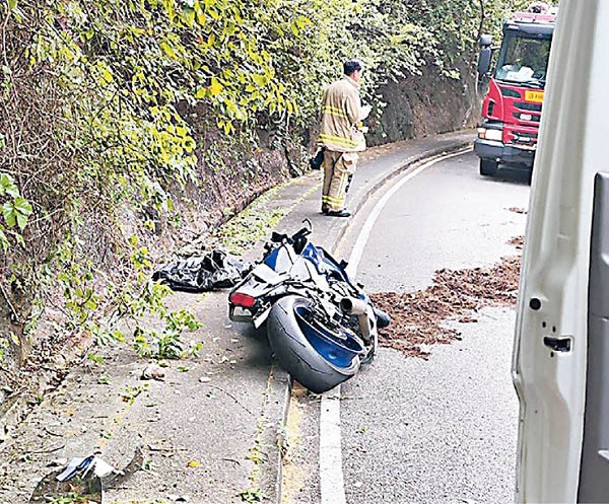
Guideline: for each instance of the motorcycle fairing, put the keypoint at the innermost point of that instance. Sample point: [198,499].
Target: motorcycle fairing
[280,259]
[324,262]
[266,274]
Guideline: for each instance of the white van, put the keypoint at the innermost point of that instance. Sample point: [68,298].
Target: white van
[561,351]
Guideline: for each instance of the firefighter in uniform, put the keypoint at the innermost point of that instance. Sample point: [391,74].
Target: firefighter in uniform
[342,137]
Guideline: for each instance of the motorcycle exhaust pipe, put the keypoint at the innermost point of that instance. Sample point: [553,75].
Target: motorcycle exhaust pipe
[358,307]
[353,306]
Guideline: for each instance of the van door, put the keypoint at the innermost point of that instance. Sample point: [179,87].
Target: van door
[594,471]
[561,352]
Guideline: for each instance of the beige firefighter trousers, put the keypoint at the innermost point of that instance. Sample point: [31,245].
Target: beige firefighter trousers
[339,168]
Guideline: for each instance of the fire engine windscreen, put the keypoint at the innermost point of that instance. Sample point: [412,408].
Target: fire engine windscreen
[523,60]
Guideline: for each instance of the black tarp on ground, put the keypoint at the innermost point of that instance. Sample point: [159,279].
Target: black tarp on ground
[214,270]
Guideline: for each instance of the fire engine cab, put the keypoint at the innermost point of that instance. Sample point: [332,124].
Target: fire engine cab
[511,110]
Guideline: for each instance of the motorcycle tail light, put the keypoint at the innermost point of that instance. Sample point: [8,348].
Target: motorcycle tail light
[239,299]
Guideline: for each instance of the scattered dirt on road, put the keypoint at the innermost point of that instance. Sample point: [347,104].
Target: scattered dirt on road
[517,241]
[419,318]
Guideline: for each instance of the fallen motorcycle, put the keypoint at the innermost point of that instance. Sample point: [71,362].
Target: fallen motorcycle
[320,325]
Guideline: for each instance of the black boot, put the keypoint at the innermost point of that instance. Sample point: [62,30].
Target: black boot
[338,213]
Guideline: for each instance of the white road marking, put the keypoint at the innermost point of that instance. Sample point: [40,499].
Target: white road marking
[364,235]
[330,454]
[332,483]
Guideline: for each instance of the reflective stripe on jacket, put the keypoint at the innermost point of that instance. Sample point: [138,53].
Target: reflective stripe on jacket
[341,110]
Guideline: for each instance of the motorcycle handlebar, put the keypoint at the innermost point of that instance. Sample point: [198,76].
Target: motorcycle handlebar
[301,233]
[297,236]
[278,237]
[306,230]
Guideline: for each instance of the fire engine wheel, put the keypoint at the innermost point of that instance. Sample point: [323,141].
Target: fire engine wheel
[488,167]
[316,355]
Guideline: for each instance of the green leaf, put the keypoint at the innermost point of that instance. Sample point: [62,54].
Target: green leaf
[215,88]
[200,15]
[12,4]
[260,80]
[107,76]
[168,50]
[118,336]
[303,21]
[7,186]
[9,215]
[23,206]
[91,305]
[98,359]
[21,221]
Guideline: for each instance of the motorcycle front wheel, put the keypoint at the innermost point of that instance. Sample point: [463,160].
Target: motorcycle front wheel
[317,354]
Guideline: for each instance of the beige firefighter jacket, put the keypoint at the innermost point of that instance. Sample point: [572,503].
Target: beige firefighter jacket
[341,111]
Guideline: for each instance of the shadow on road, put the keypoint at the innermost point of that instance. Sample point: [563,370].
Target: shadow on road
[514,175]
[259,355]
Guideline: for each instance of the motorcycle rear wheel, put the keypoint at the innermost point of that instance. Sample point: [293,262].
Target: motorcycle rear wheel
[308,348]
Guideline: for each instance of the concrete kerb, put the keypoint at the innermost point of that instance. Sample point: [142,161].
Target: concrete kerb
[409,164]
[287,395]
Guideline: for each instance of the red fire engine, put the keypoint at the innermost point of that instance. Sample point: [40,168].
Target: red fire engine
[512,108]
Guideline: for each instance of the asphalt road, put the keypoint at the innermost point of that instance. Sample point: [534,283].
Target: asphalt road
[441,430]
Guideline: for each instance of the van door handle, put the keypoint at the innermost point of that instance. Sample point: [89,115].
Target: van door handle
[558,344]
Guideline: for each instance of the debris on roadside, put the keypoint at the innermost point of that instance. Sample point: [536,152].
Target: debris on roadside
[60,462]
[178,498]
[153,372]
[80,479]
[84,479]
[518,210]
[83,466]
[214,270]
[517,241]
[418,317]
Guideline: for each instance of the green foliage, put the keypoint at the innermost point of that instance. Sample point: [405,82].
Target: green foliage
[131,393]
[97,359]
[253,495]
[70,498]
[251,225]
[166,343]
[4,346]
[94,304]
[103,380]
[15,210]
